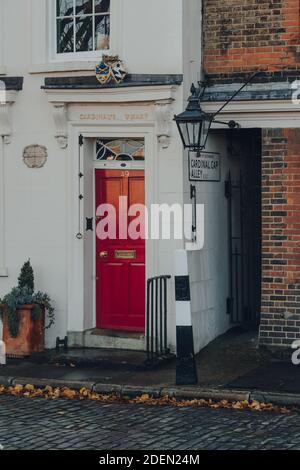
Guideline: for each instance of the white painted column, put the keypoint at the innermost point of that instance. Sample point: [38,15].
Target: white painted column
[6,100]
[3,268]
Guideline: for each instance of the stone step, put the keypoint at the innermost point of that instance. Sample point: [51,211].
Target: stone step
[107,340]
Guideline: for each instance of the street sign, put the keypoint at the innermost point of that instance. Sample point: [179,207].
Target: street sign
[204,166]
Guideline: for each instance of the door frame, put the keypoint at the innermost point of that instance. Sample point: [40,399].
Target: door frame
[77,316]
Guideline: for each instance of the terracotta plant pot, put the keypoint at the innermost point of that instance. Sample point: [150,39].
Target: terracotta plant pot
[31,336]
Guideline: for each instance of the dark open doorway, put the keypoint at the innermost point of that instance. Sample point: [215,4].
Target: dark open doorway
[243,192]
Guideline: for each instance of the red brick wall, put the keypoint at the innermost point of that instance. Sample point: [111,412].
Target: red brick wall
[280,312]
[249,35]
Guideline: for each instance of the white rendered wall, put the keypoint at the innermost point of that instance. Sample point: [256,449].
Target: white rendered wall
[35,215]
[152,36]
[209,267]
[37,201]
[2,45]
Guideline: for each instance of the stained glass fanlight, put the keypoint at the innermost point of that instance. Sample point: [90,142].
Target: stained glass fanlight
[120,150]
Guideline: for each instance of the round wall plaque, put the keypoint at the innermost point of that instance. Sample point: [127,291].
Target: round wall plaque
[35,156]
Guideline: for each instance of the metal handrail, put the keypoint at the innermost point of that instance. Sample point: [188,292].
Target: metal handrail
[157,322]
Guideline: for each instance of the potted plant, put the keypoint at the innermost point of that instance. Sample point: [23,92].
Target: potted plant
[23,315]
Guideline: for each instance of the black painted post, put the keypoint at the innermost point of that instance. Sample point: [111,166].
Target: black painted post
[186,372]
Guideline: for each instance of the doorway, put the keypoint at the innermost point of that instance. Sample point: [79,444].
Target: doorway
[120,254]
[243,192]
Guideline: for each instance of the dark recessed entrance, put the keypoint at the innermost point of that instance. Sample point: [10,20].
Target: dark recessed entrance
[243,192]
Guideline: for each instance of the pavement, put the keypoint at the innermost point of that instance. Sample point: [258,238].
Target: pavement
[38,424]
[232,367]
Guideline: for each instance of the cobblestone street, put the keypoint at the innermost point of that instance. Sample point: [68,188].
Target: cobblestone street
[63,424]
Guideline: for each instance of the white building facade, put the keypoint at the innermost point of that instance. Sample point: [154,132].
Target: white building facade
[48,54]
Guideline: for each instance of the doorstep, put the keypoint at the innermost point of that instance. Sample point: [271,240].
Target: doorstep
[107,339]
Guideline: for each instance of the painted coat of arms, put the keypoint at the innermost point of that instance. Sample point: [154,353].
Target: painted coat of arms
[110,70]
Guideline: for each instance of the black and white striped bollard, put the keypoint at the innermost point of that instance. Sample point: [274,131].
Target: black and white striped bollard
[186,372]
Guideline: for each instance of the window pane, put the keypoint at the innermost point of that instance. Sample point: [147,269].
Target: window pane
[64,7]
[65,35]
[102,6]
[84,7]
[102,25]
[84,33]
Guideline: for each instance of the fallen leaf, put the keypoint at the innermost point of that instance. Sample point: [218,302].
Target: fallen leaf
[29,388]
[29,391]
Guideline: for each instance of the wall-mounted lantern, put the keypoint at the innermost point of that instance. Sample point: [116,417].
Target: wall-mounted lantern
[194,124]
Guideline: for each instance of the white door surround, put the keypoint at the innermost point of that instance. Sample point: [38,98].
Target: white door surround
[112,113]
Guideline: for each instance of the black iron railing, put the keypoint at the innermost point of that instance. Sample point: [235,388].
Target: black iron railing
[157,322]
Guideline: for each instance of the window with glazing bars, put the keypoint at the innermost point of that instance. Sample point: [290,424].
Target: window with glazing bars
[82,25]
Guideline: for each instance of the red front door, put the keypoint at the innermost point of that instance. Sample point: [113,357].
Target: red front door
[120,261]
